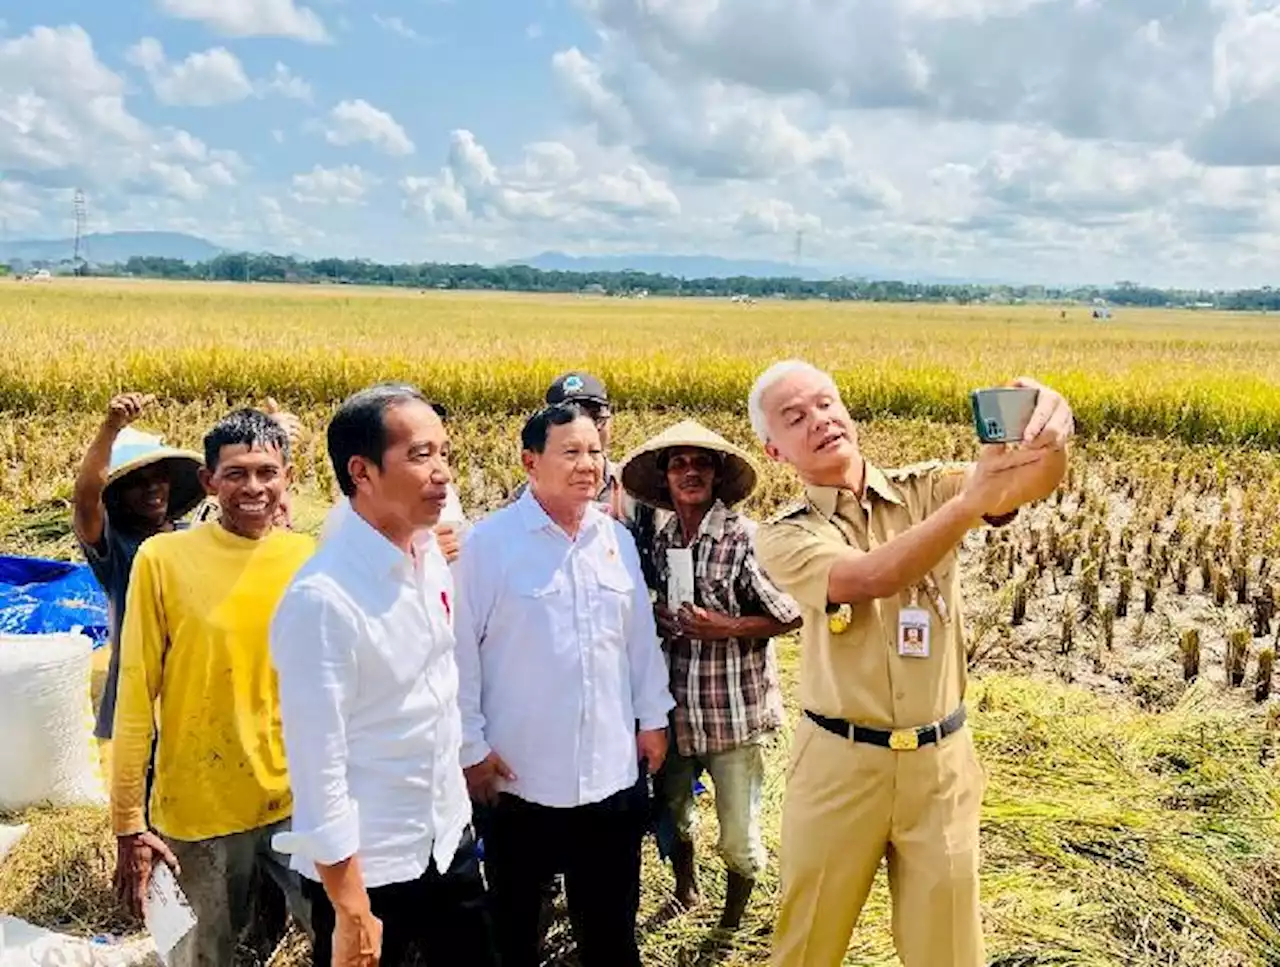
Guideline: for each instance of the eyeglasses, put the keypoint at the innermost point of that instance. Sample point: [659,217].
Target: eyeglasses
[600,414]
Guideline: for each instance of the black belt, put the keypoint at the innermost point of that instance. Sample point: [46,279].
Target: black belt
[901,740]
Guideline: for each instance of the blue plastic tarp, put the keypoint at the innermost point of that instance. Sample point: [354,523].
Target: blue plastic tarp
[40,597]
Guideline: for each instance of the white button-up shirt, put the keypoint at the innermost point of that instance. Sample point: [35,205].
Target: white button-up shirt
[364,649]
[558,654]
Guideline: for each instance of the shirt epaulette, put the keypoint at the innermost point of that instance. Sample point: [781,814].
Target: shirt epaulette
[793,509]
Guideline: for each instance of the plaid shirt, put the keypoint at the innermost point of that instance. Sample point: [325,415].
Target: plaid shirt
[727,692]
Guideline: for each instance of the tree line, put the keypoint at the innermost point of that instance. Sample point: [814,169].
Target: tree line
[247,267]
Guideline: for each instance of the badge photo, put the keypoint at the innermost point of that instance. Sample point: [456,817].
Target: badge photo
[913,633]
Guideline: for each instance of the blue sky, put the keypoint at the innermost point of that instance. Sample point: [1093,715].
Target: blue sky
[1060,140]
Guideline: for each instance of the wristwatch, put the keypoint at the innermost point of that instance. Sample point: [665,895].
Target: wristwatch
[1001,520]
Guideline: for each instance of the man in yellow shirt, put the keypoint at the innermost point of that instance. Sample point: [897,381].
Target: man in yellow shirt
[195,666]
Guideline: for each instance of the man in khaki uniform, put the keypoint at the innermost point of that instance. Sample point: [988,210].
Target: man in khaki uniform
[882,766]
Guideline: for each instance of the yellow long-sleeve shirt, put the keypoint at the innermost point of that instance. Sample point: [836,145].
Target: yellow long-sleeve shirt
[195,660]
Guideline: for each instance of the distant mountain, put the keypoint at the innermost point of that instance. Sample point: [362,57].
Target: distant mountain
[109,247]
[678,266]
[714,267]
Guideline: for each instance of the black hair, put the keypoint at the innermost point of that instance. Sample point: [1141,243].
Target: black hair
[246,427]
[359,428]
[538,427]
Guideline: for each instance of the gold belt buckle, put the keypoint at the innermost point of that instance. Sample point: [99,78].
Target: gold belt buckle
[904,740]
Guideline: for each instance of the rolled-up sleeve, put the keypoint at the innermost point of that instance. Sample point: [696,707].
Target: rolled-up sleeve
[313,635]
[474,596]
[757,587]
[650,693]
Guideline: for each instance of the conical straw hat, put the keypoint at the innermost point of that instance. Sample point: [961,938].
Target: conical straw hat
[645,480]
[134,450]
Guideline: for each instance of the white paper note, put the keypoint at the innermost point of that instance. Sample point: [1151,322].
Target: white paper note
[679,577]
[169,917]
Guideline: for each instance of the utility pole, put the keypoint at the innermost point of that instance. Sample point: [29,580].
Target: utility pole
[78,258]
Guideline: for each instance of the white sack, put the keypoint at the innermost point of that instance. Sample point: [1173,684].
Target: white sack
[47,755]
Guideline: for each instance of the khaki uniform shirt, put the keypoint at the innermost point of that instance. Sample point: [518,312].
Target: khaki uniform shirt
[857,674]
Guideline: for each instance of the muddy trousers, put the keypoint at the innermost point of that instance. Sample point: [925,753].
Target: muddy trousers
[849,806]
[217,877]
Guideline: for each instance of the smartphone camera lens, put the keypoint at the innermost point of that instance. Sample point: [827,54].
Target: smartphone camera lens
[994,429]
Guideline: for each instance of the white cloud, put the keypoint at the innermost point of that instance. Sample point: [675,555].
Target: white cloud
[286,84]
[353,122]
[533,31]
[344,185]
[548,186]
[773,217]
[203,79]
[251,18]
[210,77]
[64,124]
[396,25]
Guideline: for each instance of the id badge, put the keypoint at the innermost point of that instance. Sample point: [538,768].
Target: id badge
[913,632]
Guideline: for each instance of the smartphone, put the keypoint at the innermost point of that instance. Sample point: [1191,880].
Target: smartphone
[1001,414]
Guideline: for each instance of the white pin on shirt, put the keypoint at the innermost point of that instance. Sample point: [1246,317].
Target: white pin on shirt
[913,629]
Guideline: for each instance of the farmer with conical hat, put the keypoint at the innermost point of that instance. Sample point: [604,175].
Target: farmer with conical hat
[130,487]
[717,634]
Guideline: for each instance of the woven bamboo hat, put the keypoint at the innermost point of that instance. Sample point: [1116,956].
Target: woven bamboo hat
[645,479]
[134,450]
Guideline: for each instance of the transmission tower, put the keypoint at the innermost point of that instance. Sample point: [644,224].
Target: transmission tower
[79,259]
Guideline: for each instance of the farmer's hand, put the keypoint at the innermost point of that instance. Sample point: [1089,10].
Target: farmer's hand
[357,940]
[135,861]
[1052,423]
[668,624]
[484,777]
[292,425]
[447,538]
[704,625]
[652,748]
[127,407]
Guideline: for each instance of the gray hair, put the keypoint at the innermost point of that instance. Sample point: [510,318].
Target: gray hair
[766,381]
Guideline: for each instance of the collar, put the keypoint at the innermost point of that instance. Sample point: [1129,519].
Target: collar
[715,524]
[371,547]
[535,518]
[826,499]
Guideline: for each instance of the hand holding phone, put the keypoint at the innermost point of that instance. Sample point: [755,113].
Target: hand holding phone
[1001,414]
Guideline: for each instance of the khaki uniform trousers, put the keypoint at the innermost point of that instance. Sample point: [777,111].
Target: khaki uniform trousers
[848,806]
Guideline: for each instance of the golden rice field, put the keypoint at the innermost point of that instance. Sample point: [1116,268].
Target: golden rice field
[1199,377]
[1122,635]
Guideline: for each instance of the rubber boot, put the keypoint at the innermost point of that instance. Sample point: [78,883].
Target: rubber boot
[686,870]
[737,893]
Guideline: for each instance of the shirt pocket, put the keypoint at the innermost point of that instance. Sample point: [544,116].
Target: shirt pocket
[615,596]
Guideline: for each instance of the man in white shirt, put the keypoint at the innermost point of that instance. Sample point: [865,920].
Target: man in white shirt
[364,649]
[563,695]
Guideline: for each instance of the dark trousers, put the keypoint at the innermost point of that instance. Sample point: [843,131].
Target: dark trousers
[596,847]
[447,916]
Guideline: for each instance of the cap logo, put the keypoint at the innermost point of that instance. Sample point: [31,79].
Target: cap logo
[573,384]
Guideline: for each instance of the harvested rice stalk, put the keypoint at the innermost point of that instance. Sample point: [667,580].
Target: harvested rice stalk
[1237,656]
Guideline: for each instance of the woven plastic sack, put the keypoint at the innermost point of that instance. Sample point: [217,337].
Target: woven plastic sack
[24,945]
[9,836]
[46,718]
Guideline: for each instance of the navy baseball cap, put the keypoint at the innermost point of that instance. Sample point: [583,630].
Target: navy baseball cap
[577,387]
